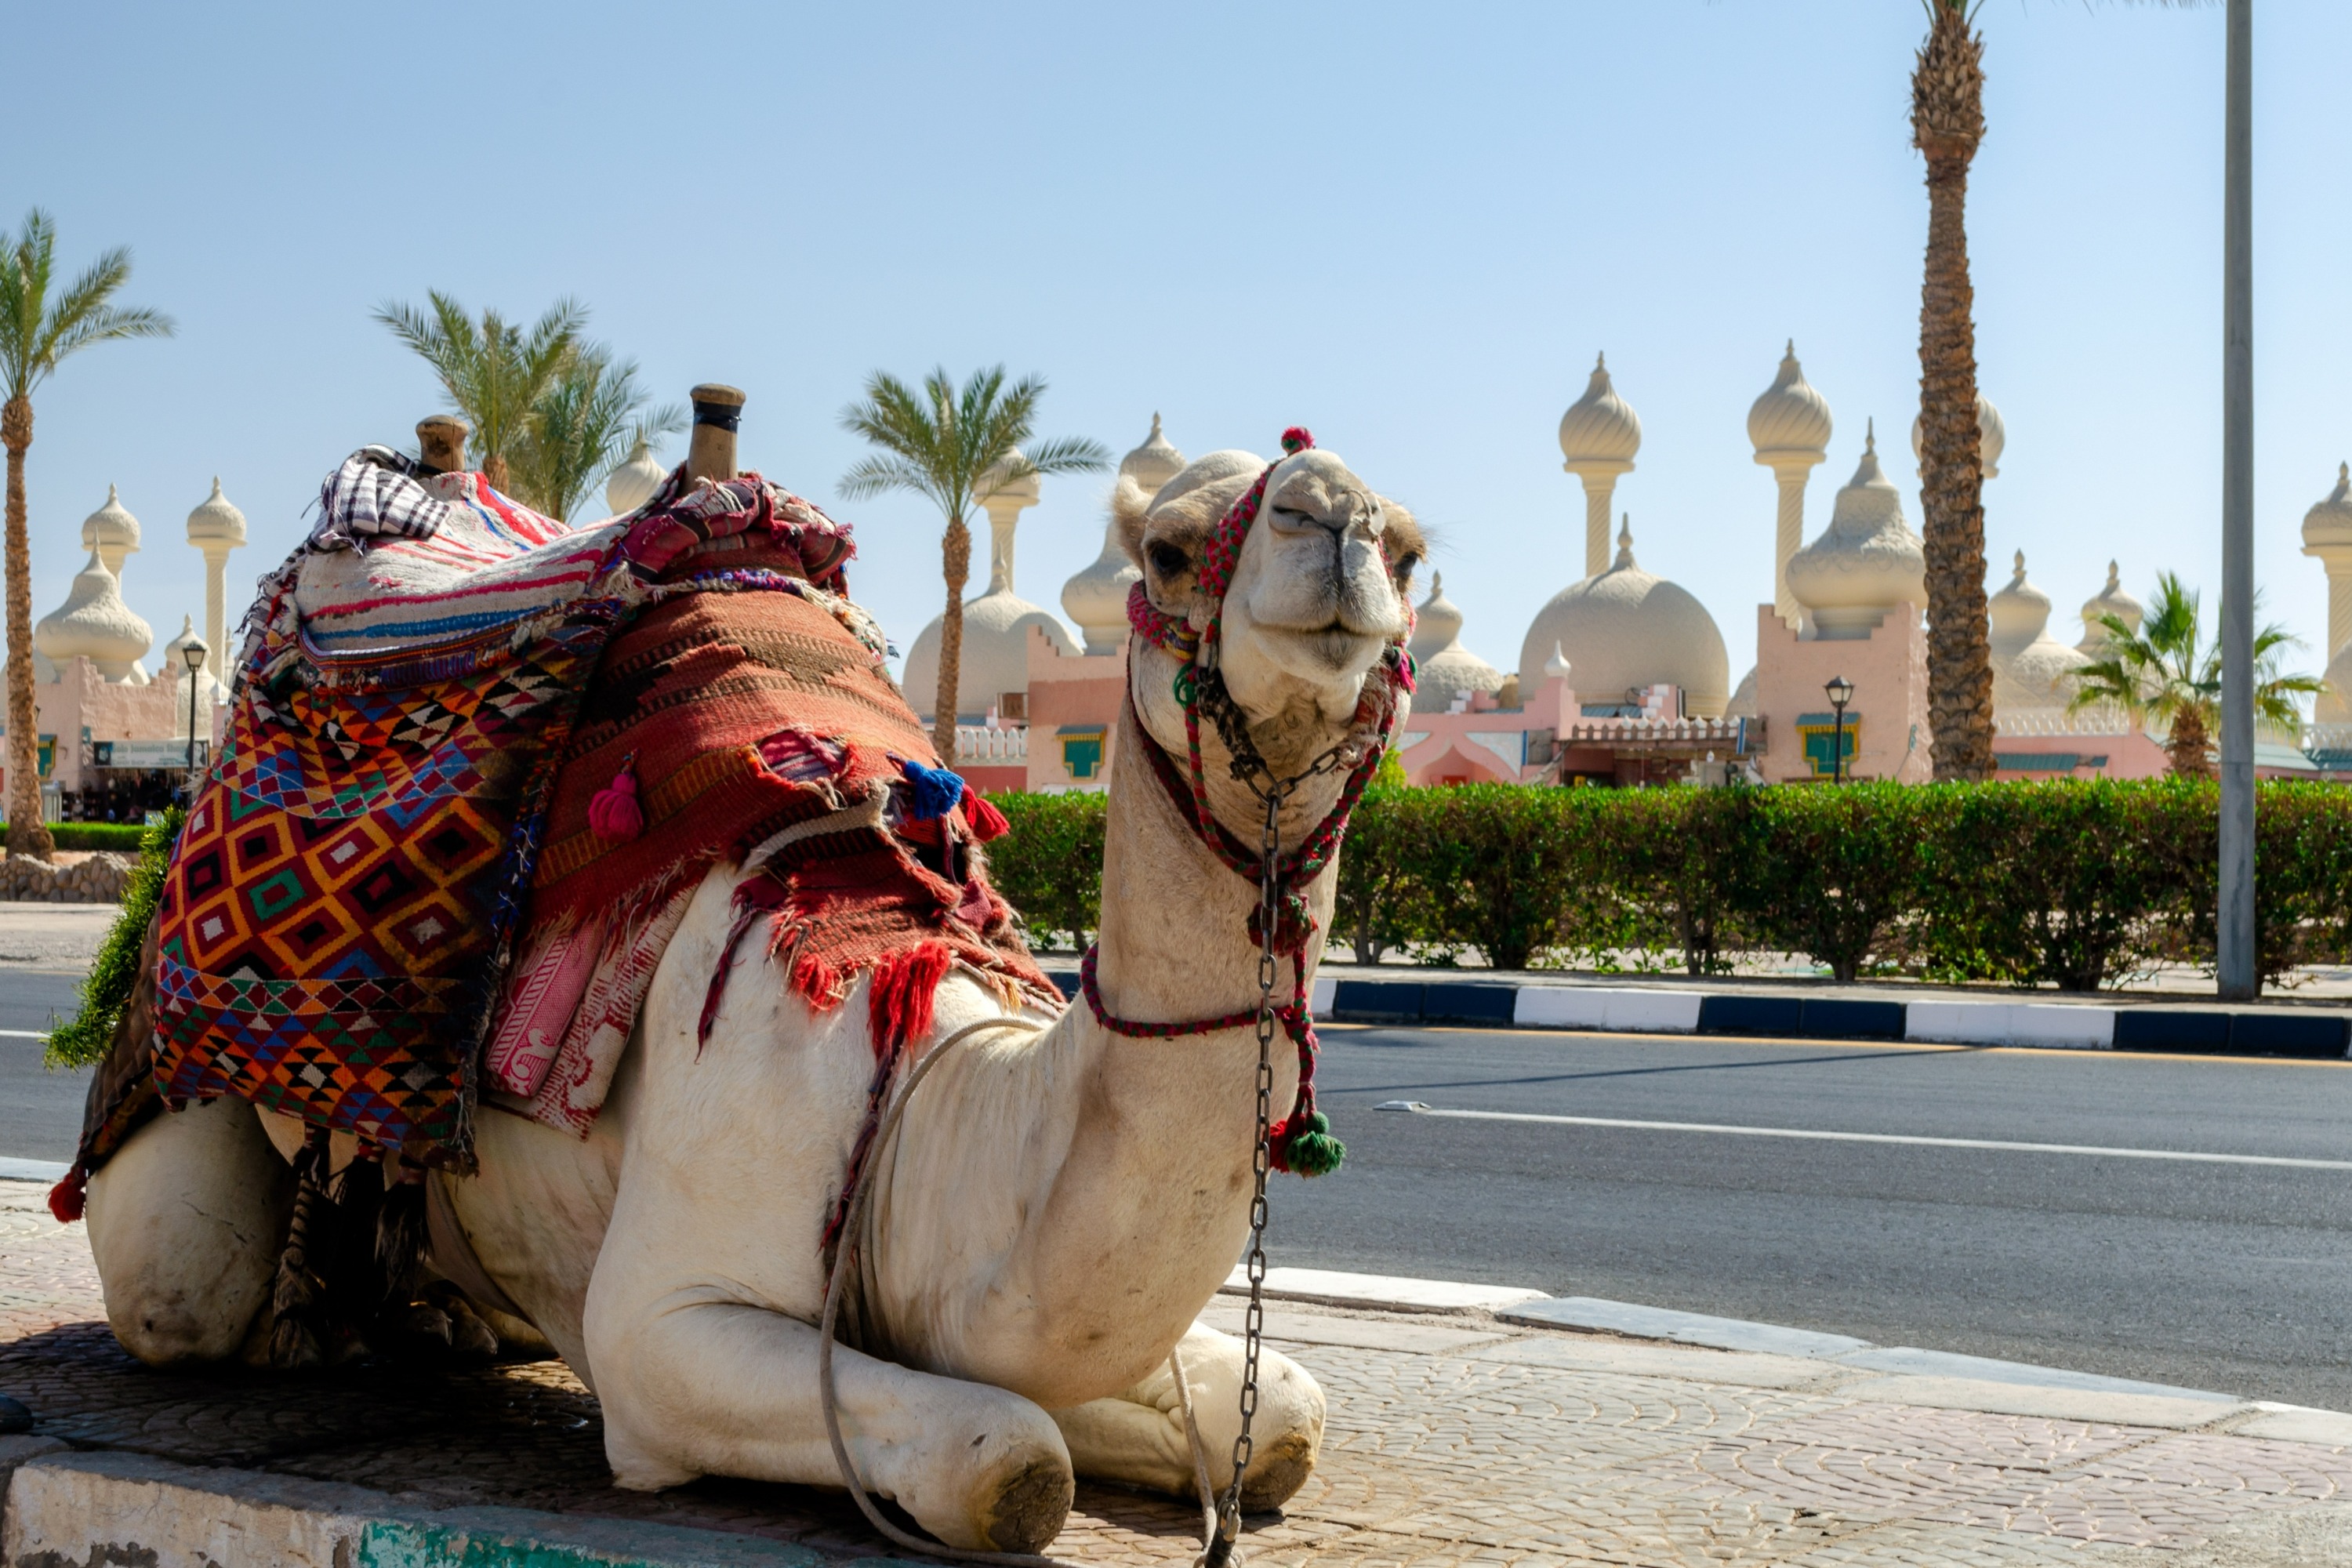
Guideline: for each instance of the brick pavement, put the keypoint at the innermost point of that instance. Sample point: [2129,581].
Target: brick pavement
[1451,1440]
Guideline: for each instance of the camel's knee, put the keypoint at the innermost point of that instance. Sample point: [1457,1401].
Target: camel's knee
[185,1226]
[1139,1436]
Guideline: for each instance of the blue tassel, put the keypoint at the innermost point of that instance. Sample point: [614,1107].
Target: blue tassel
[936,790]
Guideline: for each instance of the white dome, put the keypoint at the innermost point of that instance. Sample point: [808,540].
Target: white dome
[996,484]
[1600,426]
[1097,597]
[1865,562]
[215,521]
[1790,416]
[1154,463]
[995,657]
[95,624]
[1991,436]
[2329,521]
[633,484]
[1626,628]
[174,669]
[2029,666]
[1442,668]
[111,530]
[1557,667]
[2112,601]
[1743,697]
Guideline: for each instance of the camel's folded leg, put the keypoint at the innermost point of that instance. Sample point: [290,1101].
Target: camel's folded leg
[710,1387]
[186,1224]
[1139,1436]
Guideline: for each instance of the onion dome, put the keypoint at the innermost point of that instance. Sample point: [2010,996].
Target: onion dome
[1154,463]
[995,657]
[175,669]
[1097,597]
[113,531]
[1600,427]
[2031,669]
[96,625]
[1991,436]
[1626,628]
[633,484]
[2112,601]
[1865,562]
[1443,669]
[1557,667]
[1790,418]
[1743,697]
[216,521]
[2330,523]
[997,484]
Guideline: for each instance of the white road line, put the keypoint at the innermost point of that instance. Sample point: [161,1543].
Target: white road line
[1877,1138]
[25,1034]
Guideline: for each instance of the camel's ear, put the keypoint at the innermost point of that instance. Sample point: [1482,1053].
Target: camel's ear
[1402,541]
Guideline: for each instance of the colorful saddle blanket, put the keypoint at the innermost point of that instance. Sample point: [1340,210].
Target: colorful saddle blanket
[435,690]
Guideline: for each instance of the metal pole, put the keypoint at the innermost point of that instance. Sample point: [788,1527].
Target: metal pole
[1837,748]
[2236,966]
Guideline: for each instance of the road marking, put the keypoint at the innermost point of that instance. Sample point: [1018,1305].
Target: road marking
[24,1034]
[1420,1110]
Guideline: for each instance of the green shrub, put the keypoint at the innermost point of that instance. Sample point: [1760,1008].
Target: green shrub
[122,837]
[106,990]
[1049,866]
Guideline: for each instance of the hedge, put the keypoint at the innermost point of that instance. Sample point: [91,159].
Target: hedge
[122,837]
[2075,884]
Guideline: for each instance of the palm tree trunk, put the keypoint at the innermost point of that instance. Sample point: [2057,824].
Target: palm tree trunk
[26,832]
[957,559]
[494,473]
[2189,745]
[1947,121]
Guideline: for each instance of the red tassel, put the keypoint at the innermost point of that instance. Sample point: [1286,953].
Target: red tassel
[988,824]
[906,995]
[613,815]
[65,1199]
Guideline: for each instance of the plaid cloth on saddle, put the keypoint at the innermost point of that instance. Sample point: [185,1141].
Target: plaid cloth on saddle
[446,688]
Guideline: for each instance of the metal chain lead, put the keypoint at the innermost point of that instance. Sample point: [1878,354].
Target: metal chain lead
[1229,1509]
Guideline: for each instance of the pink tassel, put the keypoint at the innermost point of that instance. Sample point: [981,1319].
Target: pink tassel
[988,824]
[613,815]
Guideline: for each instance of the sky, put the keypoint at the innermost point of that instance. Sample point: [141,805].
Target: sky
[1410,228]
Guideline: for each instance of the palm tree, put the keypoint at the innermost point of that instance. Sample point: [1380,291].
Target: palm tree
[585,423]
[1946,124]
[938,444]
[495,372]
[2161,673]
[37,333]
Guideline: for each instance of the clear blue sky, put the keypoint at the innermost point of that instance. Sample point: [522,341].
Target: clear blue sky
[1409,227]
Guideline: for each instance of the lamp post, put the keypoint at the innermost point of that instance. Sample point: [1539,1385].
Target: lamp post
[1840,691]
[193,653]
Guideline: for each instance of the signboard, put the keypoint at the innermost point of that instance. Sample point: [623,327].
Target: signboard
[148,754]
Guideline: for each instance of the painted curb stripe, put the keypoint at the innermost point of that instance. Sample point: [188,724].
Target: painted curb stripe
[1821,1136]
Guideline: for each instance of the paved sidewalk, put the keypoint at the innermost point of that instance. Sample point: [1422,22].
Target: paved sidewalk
[1453,1438]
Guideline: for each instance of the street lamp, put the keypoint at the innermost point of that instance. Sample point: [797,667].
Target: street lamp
[193,653]
[1840,691]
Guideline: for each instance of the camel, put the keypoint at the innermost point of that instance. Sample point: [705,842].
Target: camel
[1059,1203]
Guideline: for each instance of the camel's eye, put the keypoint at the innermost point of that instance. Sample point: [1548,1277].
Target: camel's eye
[1168,560]
[1293,516]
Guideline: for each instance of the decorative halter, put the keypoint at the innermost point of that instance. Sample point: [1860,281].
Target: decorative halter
[1301,1142]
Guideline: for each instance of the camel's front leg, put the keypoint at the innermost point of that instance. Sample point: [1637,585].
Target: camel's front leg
[1139,1436]
[693,1385]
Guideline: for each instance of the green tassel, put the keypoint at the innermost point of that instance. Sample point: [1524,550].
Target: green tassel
[1311,1151]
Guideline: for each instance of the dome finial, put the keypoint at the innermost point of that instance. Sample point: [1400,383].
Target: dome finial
[2115,578]
[1625,540]
[1870,434]
[2019,575]
[1436,583]
[1601,359]
[1793,348]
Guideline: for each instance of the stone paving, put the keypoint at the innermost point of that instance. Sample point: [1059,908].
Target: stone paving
[1451,1440]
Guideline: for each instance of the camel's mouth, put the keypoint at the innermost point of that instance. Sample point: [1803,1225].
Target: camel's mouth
[1335,645]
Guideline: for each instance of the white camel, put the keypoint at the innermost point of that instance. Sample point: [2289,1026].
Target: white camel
[1055,1211]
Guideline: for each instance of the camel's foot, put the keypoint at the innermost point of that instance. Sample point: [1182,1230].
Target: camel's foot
[726,1389]
[1138,1436]
[185,1226]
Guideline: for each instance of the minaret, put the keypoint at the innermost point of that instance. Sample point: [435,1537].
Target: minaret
[1597,437]
[1790,428]
[1005,499]
[216,528]
[2327,534]
[1097,597]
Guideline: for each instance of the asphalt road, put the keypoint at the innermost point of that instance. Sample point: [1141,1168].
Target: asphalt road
[40,1110]
[2209,1275]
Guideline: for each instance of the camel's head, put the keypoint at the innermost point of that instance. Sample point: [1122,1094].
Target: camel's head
[1317,592]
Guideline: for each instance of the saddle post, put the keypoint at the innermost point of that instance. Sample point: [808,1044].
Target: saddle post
[441,440]
[718,409]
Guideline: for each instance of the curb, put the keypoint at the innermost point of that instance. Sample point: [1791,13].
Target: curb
[2301,1033]
[117,1507]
